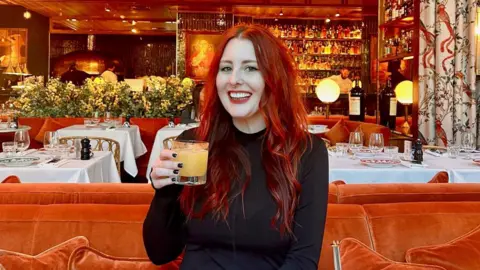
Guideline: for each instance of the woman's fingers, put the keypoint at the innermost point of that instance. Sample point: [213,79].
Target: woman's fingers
[167,154]
[162,173]
[159,183]
[168,164]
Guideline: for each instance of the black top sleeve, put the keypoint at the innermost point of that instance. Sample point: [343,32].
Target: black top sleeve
[311,212]
[164,229]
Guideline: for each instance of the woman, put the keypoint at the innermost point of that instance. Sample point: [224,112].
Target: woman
[265,200]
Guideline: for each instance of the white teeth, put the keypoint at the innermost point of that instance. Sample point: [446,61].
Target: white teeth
[239,94]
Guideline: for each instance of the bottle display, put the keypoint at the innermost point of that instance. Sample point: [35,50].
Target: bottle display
[356,102]
[388,106]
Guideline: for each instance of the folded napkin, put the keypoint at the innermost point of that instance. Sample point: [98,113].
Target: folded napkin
[409,164]
[28,152]
[46,164]
[433,153]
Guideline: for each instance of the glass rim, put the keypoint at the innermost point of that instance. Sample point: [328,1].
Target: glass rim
[9,142]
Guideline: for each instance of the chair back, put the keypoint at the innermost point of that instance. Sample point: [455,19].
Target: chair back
[102,144]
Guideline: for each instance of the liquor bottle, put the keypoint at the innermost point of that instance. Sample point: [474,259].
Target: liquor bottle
[357,102]
[388,106]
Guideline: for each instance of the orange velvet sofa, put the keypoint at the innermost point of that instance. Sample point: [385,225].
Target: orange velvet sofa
[390,218]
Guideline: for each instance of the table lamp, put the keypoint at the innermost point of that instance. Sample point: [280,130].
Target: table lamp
[327,92]
[404,94]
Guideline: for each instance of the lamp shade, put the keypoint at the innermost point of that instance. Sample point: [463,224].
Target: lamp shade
[404,92]
[327,91]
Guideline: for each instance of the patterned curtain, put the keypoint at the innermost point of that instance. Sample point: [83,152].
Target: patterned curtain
[447,96]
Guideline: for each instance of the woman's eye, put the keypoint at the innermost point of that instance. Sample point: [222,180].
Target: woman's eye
[250,68]
[225,69]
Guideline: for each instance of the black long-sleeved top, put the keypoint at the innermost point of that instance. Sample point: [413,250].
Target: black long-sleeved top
[247,241]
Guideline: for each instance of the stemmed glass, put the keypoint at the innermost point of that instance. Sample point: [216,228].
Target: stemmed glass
[468,144]
[51,140]
[355,142]
[22,138]
[376,143]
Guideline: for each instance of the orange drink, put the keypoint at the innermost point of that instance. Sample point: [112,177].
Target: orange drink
[194,156]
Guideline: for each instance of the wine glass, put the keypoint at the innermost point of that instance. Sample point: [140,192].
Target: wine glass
[50,140]
[376,143]
[22,138]
[355,142]
[468,144]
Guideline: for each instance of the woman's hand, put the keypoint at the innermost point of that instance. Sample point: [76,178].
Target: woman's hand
[165,170]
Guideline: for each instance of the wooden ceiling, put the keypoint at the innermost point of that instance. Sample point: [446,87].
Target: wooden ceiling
[155,18]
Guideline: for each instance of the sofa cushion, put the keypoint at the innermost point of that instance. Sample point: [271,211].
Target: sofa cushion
[398,227]
[458,254]
[338,133]
[393,193]
[113,229]
[87,258]
[440,177]
[49,125]
[11,179]
[342,221]
[64,193]
[356,255]
[50,259]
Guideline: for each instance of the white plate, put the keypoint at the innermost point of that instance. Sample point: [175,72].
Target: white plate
[364,153]
[18,161]
[380,163]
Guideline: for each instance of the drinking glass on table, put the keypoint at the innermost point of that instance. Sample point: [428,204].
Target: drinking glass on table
[9,148]
[391,151]
[341,149]
[50,140]
[375,142]
[22,138]
[355,141]
[468,144]
[194,156]
[453,151]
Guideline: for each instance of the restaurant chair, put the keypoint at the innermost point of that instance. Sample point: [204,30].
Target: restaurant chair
[102,144]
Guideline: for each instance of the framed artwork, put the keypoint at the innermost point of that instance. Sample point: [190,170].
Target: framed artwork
[200,48]
[13,46]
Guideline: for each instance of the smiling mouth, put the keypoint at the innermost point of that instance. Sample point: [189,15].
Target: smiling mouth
[239,95]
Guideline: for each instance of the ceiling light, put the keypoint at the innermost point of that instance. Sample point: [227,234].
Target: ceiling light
[107,8]
[281,12]
[124,21]
[73,20]
[154,28]
[134,30]
[337,15]
[27,15]
[122,17]
[327,20]
[276,19]
[134,22]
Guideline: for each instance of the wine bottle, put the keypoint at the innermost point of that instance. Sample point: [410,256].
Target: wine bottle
[357,102]
[388,106]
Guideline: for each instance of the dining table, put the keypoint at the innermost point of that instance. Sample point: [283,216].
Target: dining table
[40,166]
[131,144]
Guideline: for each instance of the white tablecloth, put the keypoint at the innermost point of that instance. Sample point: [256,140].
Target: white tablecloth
[162,134]
[131,144]
[351,171]
[100,168]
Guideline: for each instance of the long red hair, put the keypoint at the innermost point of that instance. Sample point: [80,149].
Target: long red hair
[284,142]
